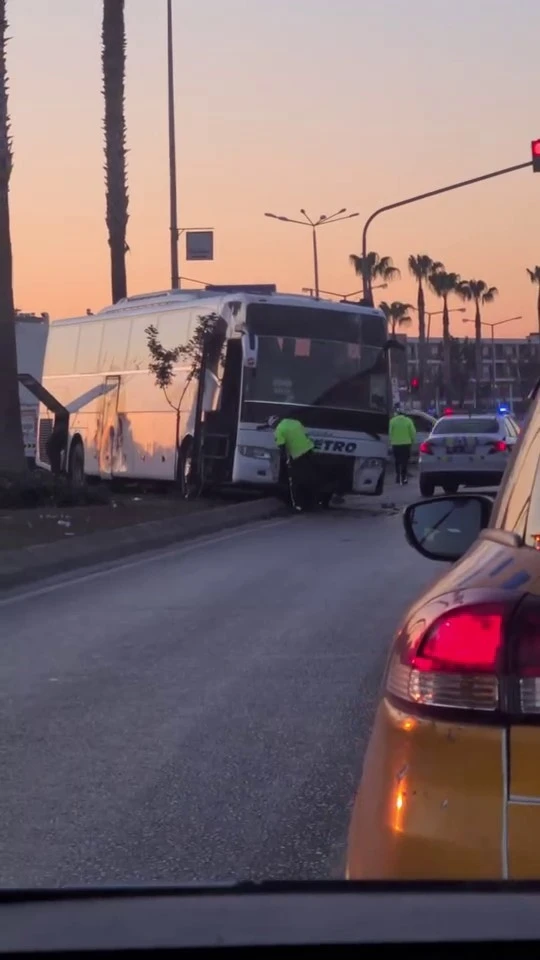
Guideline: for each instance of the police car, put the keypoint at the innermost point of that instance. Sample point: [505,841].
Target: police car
[471,450]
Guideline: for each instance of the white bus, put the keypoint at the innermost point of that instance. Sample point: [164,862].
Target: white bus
[323,362]
[31,337]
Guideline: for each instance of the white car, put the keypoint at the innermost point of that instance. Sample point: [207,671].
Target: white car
[471,450]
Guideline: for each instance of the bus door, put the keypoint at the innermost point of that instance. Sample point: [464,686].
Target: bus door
[109,437]
[221,425]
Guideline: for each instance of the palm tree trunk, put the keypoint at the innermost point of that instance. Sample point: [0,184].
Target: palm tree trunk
[477,350]
[446,350]
[114,66]
[12,459]
[422,341]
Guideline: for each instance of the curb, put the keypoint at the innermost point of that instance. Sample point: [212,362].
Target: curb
[20,567]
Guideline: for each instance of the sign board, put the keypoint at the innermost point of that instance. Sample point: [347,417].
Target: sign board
[395,390]
[199,245]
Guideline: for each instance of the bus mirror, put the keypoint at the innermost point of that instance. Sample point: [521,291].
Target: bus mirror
[249,350]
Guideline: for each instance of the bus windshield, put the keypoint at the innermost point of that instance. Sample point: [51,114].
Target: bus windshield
[316,372]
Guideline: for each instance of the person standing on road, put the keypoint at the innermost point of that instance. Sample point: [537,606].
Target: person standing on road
[291,438]
[402,434]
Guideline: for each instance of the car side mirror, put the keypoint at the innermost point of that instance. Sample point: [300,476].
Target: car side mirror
[443,528]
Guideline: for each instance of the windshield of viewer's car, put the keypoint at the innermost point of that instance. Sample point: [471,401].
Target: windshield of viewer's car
[208,226]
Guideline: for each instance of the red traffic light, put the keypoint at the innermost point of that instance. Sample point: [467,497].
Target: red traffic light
[415,383]
[535,150]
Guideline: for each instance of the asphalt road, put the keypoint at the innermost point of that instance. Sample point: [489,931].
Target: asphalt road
[200,714]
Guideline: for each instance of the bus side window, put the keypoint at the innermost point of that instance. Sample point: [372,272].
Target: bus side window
[137,355]
[215,347]
[114,345]
[232,378]
[89,346]
[61,349]
[175,328]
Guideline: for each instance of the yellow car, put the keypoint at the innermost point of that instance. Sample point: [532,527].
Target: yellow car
[451,781]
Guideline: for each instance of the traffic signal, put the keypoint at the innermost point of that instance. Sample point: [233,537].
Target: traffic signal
[535,150]
[415,385]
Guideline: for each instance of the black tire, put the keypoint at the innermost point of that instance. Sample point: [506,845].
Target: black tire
[325,500]
[427,487]
[451,487]
[76,464]
[380,485]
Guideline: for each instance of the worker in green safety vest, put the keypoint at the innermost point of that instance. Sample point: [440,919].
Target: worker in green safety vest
[402,434]
[291,437]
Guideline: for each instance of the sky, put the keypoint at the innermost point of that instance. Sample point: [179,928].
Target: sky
[280,105]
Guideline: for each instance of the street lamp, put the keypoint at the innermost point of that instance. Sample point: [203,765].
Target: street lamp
[313,224]
[437,313]
[498,323]
[344,296]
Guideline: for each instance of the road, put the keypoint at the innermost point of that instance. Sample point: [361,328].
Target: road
[198,714]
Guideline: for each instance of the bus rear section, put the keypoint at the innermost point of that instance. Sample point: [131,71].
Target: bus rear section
[31,336]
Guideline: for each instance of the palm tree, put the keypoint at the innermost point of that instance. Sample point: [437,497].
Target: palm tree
[12,459]
[373,267]
[534,277]
[443,284]
[113,58]
[463,365]
[422,266]
[397,314]
[479,293]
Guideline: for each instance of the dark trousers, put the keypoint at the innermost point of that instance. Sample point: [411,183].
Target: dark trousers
[303,482]
[401,460]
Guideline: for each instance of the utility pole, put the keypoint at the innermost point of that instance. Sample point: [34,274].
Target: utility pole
[175,278]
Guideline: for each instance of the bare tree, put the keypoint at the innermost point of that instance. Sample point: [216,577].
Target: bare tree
[204,351]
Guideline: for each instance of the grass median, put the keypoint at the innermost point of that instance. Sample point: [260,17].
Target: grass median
[42,511]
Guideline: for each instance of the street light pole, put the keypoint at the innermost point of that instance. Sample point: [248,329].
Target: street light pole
[425,196]
[498,323]
[315,263]
[173,225]
[438,313]
[314,224]
[344,296]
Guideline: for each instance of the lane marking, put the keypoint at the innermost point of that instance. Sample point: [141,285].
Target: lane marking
[121,565]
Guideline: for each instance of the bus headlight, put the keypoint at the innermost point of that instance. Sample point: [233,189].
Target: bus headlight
[367,471]
[257,453]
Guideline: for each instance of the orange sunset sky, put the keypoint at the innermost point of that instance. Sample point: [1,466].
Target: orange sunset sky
[280,105]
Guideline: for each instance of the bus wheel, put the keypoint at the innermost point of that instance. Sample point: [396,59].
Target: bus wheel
[76,464]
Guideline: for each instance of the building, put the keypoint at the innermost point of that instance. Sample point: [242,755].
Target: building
[509,366]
